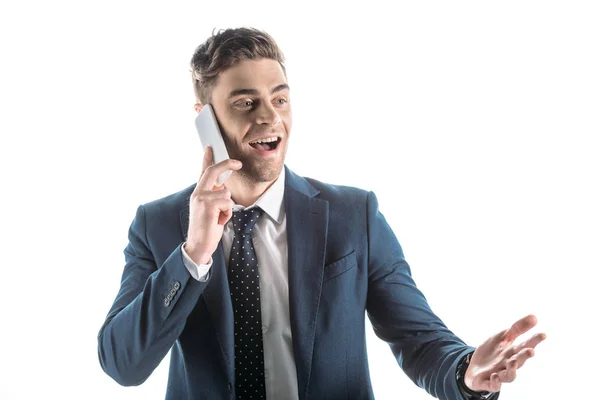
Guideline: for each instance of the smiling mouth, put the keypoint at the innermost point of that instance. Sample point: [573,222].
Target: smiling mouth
[267,144]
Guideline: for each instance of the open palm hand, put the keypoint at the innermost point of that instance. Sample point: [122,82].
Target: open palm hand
[496,361]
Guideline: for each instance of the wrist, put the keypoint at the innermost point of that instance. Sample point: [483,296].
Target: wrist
[198,256]
[466,392]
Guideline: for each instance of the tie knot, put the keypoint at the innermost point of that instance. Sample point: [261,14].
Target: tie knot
[244,220]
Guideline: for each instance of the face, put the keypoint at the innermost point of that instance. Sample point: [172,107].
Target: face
[252,103]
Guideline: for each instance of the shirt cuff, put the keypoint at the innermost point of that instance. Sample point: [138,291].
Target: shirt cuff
[198,272]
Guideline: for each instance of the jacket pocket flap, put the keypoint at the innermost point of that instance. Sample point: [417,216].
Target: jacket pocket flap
[340,266]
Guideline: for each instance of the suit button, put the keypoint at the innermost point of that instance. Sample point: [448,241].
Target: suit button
[176,285]
[167,302]
[229,387]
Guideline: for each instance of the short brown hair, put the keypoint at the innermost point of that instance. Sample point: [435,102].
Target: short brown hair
[223,50]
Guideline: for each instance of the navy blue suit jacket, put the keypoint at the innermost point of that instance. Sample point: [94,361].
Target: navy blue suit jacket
[343,259]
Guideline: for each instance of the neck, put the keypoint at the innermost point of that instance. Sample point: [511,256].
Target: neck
[244,192]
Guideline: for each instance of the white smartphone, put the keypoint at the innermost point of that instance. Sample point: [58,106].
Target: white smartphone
[210,135]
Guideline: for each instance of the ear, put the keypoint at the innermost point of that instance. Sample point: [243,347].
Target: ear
[198,107]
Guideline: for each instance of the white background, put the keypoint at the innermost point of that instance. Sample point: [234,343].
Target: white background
[475,123]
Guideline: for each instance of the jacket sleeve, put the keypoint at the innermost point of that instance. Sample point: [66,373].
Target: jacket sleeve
[149,312]
[426,350]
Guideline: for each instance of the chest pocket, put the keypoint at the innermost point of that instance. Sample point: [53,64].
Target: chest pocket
[340,266]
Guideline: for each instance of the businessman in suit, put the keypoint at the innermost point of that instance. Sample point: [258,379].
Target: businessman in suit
[259,286]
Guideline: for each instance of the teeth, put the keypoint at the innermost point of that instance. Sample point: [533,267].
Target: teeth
[268,140]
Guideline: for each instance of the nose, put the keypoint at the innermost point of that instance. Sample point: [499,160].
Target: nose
[267,115]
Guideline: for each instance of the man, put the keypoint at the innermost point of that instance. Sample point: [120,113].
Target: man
[259,286]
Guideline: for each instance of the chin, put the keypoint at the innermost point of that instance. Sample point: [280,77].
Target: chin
[256,169]
[257,173]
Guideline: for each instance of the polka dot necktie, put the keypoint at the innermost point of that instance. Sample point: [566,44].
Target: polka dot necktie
[245,298]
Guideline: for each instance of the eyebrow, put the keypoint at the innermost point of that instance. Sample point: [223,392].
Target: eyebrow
[254,92]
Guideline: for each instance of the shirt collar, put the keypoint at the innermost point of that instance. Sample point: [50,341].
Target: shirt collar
[271,201]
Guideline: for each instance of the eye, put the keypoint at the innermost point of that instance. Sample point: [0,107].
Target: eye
[281,101]
[244,104]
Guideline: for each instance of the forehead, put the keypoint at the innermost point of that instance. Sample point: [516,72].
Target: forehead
[263,74]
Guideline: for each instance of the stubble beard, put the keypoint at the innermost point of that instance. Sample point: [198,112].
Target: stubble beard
[254,169]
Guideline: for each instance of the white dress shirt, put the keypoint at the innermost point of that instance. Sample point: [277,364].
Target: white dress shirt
[270,243]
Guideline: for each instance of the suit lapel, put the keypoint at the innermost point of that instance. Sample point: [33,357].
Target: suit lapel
[217,299]
[307,219]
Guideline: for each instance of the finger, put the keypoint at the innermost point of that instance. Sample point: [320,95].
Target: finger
[522,356]
[218,187]
[217,204]
[532,342]
[226,209]
[509,374]
[520,327]
[214,195]
[211,174]
[225,216]
[495,384]
[207,160]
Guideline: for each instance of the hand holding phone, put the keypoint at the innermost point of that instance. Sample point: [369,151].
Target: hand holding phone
[210,135]
[210,209]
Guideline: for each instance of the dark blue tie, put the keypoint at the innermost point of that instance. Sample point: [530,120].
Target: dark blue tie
[244,286]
